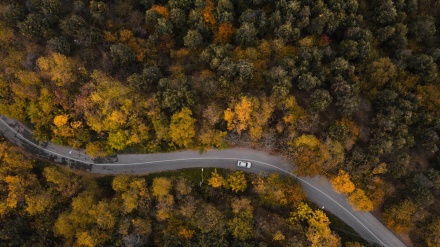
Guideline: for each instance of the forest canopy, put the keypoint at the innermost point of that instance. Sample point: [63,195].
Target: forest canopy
[45,204]
[348,89]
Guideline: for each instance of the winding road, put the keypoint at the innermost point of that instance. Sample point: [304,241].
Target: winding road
[317,189]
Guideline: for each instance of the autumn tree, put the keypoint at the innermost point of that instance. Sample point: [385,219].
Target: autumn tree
[224,33]
[216,179]
[359,201]
[182,127]
[432,233]
[164,206]
[292,114]
[241,225]
[400,217]
[133,192]
[182,187]
[77,220]
[249,114]
[208,219]
[62,70]
[160,10]
[96,149]
[310,155]
[42,112]
[262,112]
[105,214]
[277,191]
[62,181]
[318,232]
[208,13]
[345,131]
[212,138]
[109,108]
[161,186]
[237,181]
[342,183]
[239,118]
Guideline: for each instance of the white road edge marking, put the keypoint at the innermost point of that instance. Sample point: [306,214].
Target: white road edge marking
[161,161]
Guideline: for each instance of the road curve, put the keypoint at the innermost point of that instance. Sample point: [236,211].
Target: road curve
[317,189]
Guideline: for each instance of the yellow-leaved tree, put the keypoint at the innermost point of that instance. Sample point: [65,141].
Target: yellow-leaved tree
[62,70]
[263,109]
[359,201]
[216,179]
[161,186]
[237,181]
[342,183]
[109,107]
[38,203]
[161,190]
[182,128]
[133,192]
[240,117]
[318,231]
[292,113]
[250,114]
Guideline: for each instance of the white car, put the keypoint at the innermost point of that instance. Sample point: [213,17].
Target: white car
[246,164]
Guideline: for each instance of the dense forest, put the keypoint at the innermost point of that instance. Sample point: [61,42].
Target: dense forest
[348,89]
[46,205]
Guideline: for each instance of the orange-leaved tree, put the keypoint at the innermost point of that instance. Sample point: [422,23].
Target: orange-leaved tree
[342,183]
[216,179]
[224,33]
[309,155]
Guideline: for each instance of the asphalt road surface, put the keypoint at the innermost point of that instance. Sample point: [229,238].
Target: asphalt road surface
[317,189]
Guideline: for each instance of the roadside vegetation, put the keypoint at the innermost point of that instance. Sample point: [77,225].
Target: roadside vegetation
[43,204]
[347,89]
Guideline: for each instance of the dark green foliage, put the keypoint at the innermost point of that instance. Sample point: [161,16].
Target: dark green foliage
[121,55]
[14,13]
[349,49]
[98,10]
[178,17]
[145,81]
[385,12]
[175,94]
[193,39]
[60,45]
[320,100]
[35,27]
[246,34]
[73,26]
[424,66]
[423,29]
[308,82]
